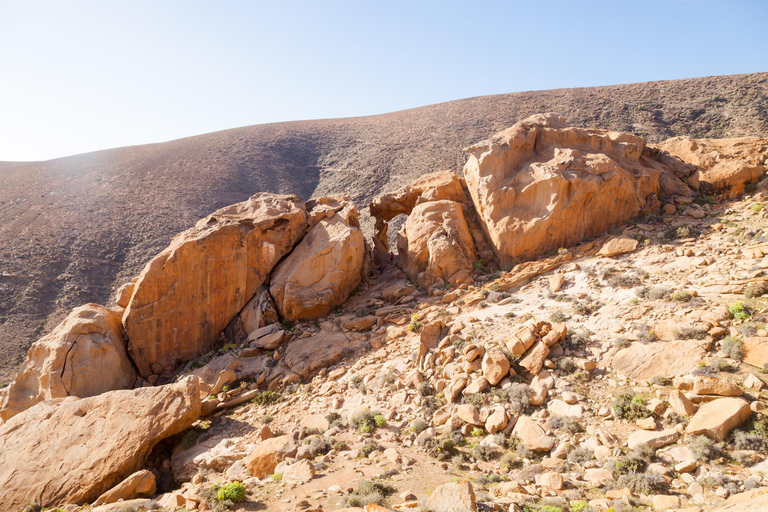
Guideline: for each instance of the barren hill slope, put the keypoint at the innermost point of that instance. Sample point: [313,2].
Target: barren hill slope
[73,229]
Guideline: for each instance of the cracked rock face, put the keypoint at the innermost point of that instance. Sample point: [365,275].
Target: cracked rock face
[83,356]
[541,185]
[191,291]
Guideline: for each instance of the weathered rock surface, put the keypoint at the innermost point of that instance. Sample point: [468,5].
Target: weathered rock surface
[755,351]
[617,246]
[268,454]
[703,385]
[307,355]
[259,312]
[192,290]
[436,186]
[721,165]
[78,449]
[323,269]
[495,366]
[532,435]
[85,355]
[652,439]
[452,497]
[717,418]
[540,185]
[435,245]
[643,361]
[141,484]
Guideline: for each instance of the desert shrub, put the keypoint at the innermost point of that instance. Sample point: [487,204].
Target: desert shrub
[368,421]
[658,293]
[234,492]
[587,306]
[266,419]
[704,448]
[692,333]
[660,380]
[753,435]
[333,419]
[739,311]
[579,506]
[557,316]
[580,455]
[732,347]
[642,483]
[485,452]
[430,404]
[458,460]
[630,407]
[644,333]
[751,483]
[621,342]
[712,368]
[477,432]
[426,389]
[626,466]
[369,492]
[756,290]
[713,480]
[368,448]
[479,400]
[340,446]
[566,365]
[518,396]
[441,448]
[418,426]
[566,424]
[681,296]
[267,398]
[510,461]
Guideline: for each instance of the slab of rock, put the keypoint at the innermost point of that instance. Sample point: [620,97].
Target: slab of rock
[540,185]
[617,246]
[305,356]
[436,246]
[717,418]
[468,414]
[540,386]
[703,385]
[533,361]
[680,403]
[755,351]
[532,435]
[259,312]
[85,355]
[322,271]
[597,476]
[497,421]
[268,337]
[268,454]
[139,485]
[452,497]
[652,439]
[300,472]
[205,278]
[78,449]
[495,366]
[561,408]
[642,361]
[721,165]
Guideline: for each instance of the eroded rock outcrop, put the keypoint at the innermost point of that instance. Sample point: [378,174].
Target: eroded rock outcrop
[323,269]
[435,246]
[721,165]
[72,451]
[191,291]
[541,185]
[85,355]
[435,186]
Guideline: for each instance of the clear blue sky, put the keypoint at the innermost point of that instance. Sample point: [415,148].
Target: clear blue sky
[78,76]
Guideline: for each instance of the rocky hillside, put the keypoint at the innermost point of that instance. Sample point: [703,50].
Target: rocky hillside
[268,358]
[74,228]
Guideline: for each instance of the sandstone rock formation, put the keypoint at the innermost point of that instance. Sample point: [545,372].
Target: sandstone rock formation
[191,291]
[721,165]
[323,269]
[85,355]
[435,186]
[435,246]
[541,185]
[259,312]
[78,449]
[717,418]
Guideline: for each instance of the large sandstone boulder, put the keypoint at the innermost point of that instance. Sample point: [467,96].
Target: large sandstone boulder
[721,165]
[541,185]
[717,418]
[756,351]
[259,312]
[268,454]
[323,269]
[72,451]
[435,245]
[452,497]
[188,294]
[83,356]
[307,355]
[435,186]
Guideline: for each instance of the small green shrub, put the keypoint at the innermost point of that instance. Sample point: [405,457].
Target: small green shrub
[642,483]
[380,420]
[441,448]
[626,466]
[704,448]
[485,452]
[630,407]
[738,311]
[419,425]
[368,448]
[660,380]
[566,424]
[267,398]
[426,389]
[369,492]
[757,207]
[368,421]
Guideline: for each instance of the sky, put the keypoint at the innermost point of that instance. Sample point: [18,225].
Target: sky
[79,76]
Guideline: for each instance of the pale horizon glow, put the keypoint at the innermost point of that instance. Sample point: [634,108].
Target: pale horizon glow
[85,75]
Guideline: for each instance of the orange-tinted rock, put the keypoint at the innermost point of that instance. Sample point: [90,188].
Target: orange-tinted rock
[721,165]
[540,185]
[717,418]
[322,271]
[435,245]
[78,449]
[189,292]
[83,356]
[436,186]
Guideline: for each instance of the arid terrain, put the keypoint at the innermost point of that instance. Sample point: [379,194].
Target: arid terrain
[73,229]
